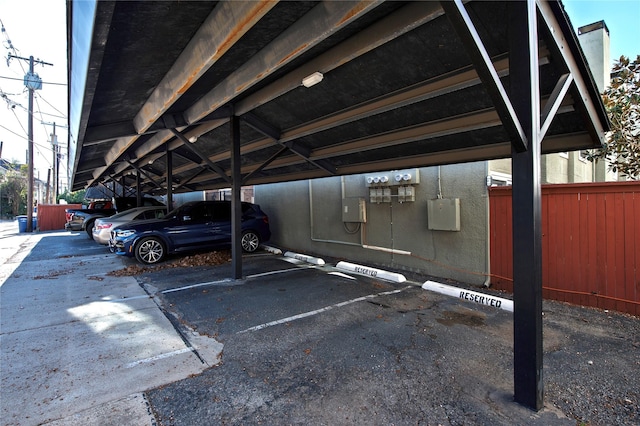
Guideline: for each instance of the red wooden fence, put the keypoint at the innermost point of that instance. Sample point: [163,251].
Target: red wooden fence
[590,243]
[51,216]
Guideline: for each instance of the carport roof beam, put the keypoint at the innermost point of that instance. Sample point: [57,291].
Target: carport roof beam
[464,27]
[226,24]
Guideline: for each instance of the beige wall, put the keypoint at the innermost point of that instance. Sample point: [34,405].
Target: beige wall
[306,216]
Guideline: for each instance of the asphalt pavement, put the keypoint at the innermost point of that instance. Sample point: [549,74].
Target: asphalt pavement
[290,343]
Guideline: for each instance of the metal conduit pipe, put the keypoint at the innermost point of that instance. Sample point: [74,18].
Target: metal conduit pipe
[361,244]
[487,280]
[320,240]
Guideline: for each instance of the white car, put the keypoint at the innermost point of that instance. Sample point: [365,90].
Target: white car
[103,226]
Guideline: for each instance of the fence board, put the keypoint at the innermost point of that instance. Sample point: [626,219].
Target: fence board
[590,243]
[51,216]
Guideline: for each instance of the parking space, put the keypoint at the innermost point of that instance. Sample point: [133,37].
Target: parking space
[296,344]
[307,344]
[313,345]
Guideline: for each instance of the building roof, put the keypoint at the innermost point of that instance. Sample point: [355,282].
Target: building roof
[402,86]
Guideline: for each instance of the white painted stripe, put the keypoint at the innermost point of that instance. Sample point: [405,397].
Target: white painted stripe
[172,290]
[157,357]
[340,274]
[281,271]
[318,311]
[471,296]
[228,280]
[373,272]
[126,299]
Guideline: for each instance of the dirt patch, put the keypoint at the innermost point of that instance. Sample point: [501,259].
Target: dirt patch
[202,259]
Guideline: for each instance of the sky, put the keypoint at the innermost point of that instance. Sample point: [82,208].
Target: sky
[35,28]
[38,28]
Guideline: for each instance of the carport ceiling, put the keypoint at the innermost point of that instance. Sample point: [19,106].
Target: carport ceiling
[401,88]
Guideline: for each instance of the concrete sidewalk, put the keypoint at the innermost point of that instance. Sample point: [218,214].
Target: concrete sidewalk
[80,346]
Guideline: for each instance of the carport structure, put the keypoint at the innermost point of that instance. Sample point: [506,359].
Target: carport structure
[181,96]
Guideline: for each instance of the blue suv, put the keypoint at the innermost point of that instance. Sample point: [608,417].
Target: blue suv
[192,226]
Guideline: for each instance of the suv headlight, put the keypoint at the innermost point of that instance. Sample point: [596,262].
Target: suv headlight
[124,233]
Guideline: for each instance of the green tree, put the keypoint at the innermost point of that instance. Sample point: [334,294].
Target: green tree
[76,197]
[622,102]
[14,193]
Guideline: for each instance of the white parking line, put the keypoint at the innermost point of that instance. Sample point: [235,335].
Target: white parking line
[281,271]
[228,280]
[157,357]
[172,290]
[318,311]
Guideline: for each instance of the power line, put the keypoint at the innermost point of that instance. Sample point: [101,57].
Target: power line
[48,103]
[11,131]
[44,82]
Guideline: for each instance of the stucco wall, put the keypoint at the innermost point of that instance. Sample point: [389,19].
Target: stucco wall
[306,216]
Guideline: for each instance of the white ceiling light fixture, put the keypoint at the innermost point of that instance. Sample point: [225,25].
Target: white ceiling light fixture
[193,139]
[312,79]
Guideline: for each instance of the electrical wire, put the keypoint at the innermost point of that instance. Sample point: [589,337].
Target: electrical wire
[56,109]
[9,46]
[11,131]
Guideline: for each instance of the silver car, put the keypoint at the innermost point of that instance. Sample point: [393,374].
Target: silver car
[103,226]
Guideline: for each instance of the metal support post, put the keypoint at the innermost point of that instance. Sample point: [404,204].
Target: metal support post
[169,179]
[527,228]
[236,207]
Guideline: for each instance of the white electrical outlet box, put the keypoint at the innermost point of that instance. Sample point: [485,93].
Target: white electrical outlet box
[373,196]
[354,210]
[386,195]
[409,193]
[443,214]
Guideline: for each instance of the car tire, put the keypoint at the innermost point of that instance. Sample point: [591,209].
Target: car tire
[89,229]
[250,241]
[150,250]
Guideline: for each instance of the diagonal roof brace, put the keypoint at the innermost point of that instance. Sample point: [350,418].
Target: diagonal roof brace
[553,104]
[190,178]
[305,153]
[462,24]
[261,126]
[584,91]
[196,151]
[144,172]
[282,150]
[265,128]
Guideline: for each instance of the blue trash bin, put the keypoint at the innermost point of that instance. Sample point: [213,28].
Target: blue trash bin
[22,223]
[34,223]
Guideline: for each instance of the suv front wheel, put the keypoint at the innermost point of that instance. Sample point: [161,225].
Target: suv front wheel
[150,250]
[250,241]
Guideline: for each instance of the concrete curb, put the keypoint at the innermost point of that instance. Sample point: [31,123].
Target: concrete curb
[471,296]
[373,272]
[305,258]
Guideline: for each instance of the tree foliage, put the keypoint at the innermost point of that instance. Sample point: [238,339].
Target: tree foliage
[14,193]
[75,197]
[622,102]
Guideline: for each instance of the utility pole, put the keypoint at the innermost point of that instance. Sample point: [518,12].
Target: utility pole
[56,163]
[33,82]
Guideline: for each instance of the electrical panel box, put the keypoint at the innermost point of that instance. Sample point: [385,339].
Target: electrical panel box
[443,214]
[386,195]
[373,196]
[354,210]
[406,194]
